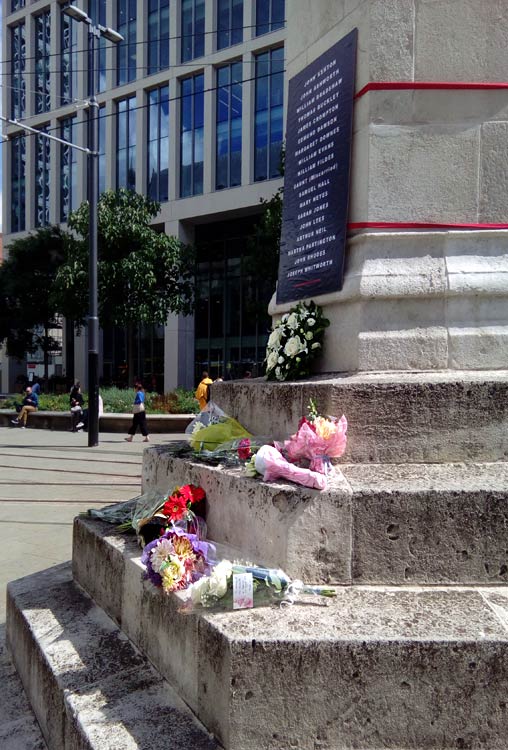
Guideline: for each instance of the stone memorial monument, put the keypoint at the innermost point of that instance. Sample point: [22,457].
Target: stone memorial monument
[413,651]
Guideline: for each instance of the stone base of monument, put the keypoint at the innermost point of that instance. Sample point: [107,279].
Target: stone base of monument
[413,651]
[378,667]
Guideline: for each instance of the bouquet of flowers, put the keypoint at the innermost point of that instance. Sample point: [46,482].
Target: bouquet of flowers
[318,439]
[296,339]
[270,462]
[232,585]
[176,559]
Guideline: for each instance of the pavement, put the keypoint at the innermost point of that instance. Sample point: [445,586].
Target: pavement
[46,479]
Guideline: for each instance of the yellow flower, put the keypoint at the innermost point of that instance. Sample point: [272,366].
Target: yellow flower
[183,547]
[324,428]
[173,574]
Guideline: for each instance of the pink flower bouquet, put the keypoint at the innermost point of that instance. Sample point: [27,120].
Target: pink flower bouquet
[317,441]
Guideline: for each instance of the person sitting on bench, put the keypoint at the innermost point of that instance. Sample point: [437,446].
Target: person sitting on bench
[30,403]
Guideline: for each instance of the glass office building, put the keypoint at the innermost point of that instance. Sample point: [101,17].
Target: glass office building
[191,114]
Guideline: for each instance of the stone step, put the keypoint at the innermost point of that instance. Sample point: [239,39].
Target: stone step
[393,417]
[90,688]
[376,524]
[378,667]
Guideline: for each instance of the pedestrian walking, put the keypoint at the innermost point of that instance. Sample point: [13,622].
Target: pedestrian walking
[29,404]
[202,393]
[138,415]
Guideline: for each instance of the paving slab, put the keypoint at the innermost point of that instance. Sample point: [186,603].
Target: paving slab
[41,491]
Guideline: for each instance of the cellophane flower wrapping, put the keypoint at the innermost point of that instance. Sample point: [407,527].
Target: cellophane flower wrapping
[317,442]
[177,559]
[214,591]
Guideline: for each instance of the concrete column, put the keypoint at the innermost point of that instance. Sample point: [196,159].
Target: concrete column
[209,130]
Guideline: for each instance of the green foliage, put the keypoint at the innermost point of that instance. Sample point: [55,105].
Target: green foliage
[179,401]
[27,311]
[143,275]
[264,248]
[119,401]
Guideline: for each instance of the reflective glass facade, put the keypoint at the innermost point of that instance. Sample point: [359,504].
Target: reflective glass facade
[268,126]
[158,35]
[68,169]
[191,136]
[229,22]
[193,29]
[97,12]
[269,16]
[126,26]
[42,62]
[126,144]
[228,167]
[18,55]
[42,179]
[18,194]
[231,320]
[69,59]
[158,143]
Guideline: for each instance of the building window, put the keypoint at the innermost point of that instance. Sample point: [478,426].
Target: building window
[230,316]
[193,29]
[126,144]
[158,35]
[158,143]
[69,76]
[68,169]
[42,179]
[269,16]
[18,164]
[191,140]
[42,60]
[97,12]
[229,23]
[18,55]
[17,4]
[229,126]
[126,25]
[101,148]
[269,113]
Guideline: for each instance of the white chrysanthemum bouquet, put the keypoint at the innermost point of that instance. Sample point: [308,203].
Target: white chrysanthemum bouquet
[295,341]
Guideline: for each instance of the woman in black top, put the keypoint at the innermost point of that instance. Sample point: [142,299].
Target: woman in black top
[76,406]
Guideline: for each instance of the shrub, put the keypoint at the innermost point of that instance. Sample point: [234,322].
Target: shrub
[119,401]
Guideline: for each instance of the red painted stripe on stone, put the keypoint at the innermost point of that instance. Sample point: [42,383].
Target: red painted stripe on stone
[430,85]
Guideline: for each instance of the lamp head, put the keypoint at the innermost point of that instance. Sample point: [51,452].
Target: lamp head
[76,13]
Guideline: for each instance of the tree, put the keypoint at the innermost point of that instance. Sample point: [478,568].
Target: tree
[143,275]
[28,312]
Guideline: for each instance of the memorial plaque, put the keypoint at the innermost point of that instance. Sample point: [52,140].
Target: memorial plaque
[316,180]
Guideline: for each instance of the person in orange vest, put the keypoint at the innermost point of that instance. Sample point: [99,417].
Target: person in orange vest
[203,390]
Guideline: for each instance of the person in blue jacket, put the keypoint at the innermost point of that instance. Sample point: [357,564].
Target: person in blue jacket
[138,415]
[29,404]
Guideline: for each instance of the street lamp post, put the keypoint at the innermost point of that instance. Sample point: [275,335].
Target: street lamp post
[95,31]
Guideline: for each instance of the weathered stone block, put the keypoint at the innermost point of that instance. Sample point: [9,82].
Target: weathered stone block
[423,173]
[460,40]
[89,687]
[305,532]
[415,665]
[393,418]
[494,172]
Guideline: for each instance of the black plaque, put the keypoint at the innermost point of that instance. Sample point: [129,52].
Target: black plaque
[316,180]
